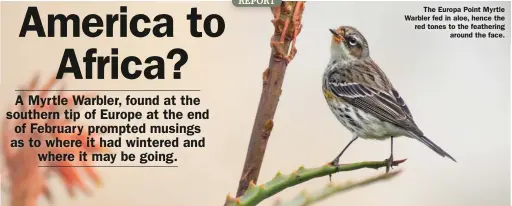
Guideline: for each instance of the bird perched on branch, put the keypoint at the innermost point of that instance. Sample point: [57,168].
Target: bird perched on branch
[362,98]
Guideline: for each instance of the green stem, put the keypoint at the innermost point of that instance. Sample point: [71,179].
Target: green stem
[255,194]
[308,198]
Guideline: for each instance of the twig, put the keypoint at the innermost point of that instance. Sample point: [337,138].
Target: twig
[287,18]
[256,194]
[308,198]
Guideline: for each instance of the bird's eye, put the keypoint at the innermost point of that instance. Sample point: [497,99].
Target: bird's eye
[352,41]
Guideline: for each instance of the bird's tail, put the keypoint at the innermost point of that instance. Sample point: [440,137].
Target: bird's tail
[434,147]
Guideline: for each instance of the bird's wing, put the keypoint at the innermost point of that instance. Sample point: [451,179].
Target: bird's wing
[401,102]
[385,105]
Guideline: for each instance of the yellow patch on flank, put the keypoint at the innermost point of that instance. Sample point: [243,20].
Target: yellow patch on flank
[329,95]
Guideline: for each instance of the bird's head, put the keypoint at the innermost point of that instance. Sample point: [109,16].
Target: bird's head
[348,44]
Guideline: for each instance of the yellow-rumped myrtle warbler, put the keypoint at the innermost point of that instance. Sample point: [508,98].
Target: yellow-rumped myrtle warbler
[361,96]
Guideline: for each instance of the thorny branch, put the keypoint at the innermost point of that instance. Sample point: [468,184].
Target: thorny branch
[306,198]
[257,193]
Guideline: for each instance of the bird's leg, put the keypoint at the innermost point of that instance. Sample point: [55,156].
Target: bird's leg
[336,161]
[389,161]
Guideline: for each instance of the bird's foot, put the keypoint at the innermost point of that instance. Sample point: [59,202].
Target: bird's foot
[389,163]
[335,163]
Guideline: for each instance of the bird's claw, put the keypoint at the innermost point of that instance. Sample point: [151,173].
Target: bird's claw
[389,163]
[335,163]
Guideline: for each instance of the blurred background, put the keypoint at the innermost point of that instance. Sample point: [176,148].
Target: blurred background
[458,91]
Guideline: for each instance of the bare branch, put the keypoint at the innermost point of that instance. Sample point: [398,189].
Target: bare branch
[287,24]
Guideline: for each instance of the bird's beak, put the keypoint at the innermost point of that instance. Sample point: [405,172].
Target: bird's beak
[337,37]
[333,31]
